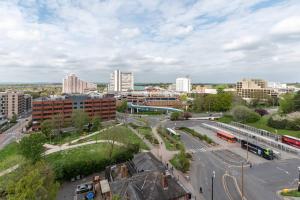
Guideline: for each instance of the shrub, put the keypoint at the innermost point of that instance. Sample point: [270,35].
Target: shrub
[244,114]
[261,112]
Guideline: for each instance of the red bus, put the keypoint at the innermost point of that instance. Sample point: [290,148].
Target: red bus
[226,136]
[293,141]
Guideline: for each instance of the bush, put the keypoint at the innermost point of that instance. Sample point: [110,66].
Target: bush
[261,112]
[289,122]
[175,116]
[86,165]
[244,114]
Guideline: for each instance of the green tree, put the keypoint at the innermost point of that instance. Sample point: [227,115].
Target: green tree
[286,103]
[244,114]
[175,116]
[14,118]
[79,119]
[31,147]
[47,128]
[198,103]
[96,121]
[297,101]
[123,107]
[35,182]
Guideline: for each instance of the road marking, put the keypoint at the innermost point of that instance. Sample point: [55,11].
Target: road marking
[282,170]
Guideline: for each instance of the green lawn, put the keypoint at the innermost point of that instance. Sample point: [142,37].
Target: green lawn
[263,124]
[291,193]
[121,134]
[65,138]
[79,154]
[9,156]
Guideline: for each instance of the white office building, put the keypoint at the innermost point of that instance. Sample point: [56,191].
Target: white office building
[183,84]
[121,81]
[73,85]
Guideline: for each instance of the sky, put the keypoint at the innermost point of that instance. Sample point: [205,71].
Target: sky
[158,40]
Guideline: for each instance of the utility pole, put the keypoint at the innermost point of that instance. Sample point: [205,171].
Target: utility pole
[299,180]
[212,185]
[242,180]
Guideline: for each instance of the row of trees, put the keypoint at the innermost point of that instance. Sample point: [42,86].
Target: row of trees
[219,102]
[79,120]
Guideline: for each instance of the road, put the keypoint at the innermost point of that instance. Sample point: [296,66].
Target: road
[262,181]
[14,133]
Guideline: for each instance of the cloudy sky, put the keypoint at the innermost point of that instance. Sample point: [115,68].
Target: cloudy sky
[159,40]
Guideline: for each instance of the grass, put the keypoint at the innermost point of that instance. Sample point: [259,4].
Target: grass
[79,154]
[225,119]
[65,137]
[122,134]
[263,124]
[182,164]
[200,136]
[291,193]
[172,143]
[147,133]
[9,156]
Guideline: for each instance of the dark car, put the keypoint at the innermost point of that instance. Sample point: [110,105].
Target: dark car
[86,187]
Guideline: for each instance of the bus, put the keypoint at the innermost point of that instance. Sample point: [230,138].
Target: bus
[226,136]
[173,133]
[293,141]
[258,150]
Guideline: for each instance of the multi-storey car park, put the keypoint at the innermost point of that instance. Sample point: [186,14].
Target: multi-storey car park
[47,108]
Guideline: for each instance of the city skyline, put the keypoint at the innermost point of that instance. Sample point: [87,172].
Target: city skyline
[212,41]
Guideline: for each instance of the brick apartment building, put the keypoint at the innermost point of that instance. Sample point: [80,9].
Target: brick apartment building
[47,108]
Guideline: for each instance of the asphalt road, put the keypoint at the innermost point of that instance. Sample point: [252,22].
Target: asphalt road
[14,133]
[261,182]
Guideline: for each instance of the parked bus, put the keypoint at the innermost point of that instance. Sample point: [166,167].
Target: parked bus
[293,141]
[226,136]
[173,132]
[258,150]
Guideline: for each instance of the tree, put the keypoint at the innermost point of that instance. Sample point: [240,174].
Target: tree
[96,121]
[244,114]
[287,103]
[122,107]
[31,147]
[35,182]
[79,119]
[14,118]
[58,122]
[297,101]
[198,103]
[47,128]
[187,115]
[175,116]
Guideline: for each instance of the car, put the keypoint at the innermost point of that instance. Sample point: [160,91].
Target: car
[82,188]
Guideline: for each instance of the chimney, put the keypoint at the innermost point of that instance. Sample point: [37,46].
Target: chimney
[164,181]
[124,171]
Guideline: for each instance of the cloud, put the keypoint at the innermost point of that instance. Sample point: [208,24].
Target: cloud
[289,26]
[211,40]
[130,32]
[244,43]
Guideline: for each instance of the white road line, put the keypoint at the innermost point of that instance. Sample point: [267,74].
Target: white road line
[282,170]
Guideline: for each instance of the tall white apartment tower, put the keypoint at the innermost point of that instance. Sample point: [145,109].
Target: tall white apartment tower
[72,85]
[121,81]
[183,84]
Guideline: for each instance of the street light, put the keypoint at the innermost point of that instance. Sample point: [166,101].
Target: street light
[299,180]
[212,185]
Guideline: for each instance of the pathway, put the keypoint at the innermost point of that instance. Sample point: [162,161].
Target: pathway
[165,155]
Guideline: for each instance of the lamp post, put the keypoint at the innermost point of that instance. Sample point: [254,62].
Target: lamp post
[299,180]
[212,185]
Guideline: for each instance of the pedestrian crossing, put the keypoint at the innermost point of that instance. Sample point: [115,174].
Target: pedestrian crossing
[195,147]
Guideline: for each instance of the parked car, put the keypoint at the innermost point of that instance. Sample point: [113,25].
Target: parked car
[86,187]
